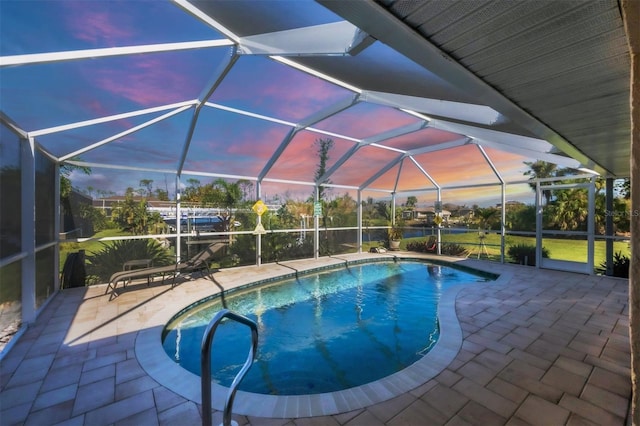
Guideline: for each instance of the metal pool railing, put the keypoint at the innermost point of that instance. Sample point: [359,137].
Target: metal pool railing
[205,365]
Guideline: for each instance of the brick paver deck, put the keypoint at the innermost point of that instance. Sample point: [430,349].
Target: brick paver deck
[537,347]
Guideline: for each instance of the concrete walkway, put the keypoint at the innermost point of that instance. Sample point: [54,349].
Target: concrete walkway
[536,347]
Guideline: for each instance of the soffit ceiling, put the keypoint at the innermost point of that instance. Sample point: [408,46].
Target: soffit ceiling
[402,88]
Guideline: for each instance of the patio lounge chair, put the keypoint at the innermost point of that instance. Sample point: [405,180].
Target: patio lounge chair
[199,262]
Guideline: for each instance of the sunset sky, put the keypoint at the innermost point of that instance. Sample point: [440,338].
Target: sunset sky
[41,96]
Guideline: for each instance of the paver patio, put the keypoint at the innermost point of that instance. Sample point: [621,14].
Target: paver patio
[537,347]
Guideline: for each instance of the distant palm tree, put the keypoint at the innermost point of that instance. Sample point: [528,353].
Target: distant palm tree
[486,216]
[540,170]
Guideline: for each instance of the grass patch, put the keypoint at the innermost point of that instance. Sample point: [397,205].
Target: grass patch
[559,248]
[88,246]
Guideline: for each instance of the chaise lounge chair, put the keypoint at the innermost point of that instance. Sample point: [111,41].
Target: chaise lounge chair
[199,262]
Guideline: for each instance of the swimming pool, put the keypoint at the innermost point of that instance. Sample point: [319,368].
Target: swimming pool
[325,331]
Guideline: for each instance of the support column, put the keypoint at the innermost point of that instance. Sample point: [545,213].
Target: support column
[359,210]
[57,211]
[591,226]
[28,200]
[258,236]
[178,219]
[538,225]
[631,16]
[608,225]
[316,226]
[438,228]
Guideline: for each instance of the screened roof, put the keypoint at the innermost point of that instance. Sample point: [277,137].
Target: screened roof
[415,95]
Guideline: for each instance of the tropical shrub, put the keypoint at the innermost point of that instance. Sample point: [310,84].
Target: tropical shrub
[521,252]
[453,249]
[101,265]
[423,246]
[429,246]
[621,264]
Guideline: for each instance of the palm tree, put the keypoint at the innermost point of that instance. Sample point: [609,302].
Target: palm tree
[486,216]
[540,170]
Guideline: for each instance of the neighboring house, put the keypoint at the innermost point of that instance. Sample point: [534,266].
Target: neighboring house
[510,205]
[465,213]
[107,204]
[425,215]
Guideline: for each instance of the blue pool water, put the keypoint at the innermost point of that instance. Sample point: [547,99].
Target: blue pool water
[323,332]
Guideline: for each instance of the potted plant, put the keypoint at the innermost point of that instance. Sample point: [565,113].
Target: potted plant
[395,235]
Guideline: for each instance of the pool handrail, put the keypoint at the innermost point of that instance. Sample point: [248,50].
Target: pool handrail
[205,365]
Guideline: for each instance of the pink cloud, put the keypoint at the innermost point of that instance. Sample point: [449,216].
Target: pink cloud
[144,80]
[257,145]
[98,23]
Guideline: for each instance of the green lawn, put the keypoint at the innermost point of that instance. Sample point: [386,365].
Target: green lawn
[561,249]
[89,246]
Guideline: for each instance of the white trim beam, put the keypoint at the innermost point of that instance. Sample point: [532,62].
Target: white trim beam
[373,141]
[214,83]
[334,39]
[440,147]
[424,172]
[118,167]
[193,10]
[315,73]
[493,135]
[481,114]
[323,114]
[4,118]
[551,158]
[73,55]
[382,171]
[78,124]
[125,133]
[490,163]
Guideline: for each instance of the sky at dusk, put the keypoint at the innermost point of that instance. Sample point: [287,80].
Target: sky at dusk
[249,114]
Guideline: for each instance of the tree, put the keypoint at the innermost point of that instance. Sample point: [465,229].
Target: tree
[623,186]
[246,187]
[65,182]
[411,201]
[323,146]
[231,193]
[383,209]
[192,191]
[147,186]
[133,216]
[539,170]
[162,194]
[488,218]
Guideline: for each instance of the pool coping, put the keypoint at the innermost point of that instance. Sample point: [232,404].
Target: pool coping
[158,365]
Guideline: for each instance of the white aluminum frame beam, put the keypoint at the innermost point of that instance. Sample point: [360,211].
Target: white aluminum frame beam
[425,173]
[335,39]
[382,171]
[214,82]
[440,147]
[106,119]
[503,200]
[124,133]
[304,124]
[551,158]
[373,141]
[73,55]
[481,114]
[11,125]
